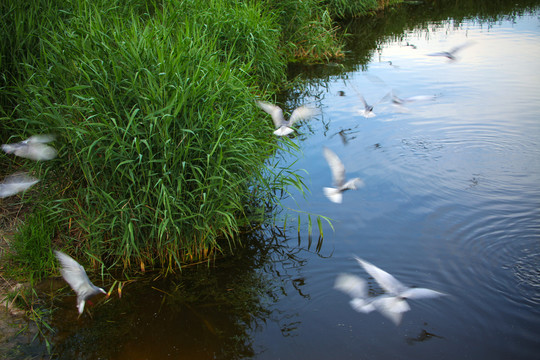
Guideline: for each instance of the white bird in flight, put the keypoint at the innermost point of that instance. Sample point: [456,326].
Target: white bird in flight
[451,54]
[338,174]
[33,148]
[16,183]
[399,103]
[76,277]
[392,304]
[284,127]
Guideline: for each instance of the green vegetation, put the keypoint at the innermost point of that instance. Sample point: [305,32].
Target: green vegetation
[164,157]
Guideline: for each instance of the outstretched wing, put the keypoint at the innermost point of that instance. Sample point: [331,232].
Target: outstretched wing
[421,293]
[275,111]
[392,307]
[389,283]
[336,166]
[40,139]
[302,113]
[16,183]
[352,285]
[72,272]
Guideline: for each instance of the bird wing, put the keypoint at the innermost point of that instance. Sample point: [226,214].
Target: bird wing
[40,139]
[392,307]
[275,111]
[302,113]
[336,166]
[16,183]
[389,283]
[459,47]
[352,184]
[442,53]
[73,273]
[352,285]
[419,98]
[420,293]
[360,96]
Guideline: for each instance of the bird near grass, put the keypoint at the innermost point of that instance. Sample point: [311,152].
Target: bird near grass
[283,127]
[16,183]
[76,277]
[338,174]
[392,304]
[33,148]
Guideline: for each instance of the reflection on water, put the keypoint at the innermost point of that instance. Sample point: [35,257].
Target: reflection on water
[451,202]
[204,312]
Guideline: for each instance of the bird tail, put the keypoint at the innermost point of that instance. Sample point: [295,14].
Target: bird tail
[333,194]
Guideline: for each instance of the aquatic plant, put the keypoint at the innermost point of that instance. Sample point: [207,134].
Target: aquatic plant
[160,142]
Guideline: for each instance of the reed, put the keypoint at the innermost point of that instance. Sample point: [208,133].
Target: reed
[161,146]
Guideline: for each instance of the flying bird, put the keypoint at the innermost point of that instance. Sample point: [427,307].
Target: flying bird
[451,54]
[284,127]
[338,174]
[367,111]
[76,277]
[392,304]
[16,183]
[33,148]
[400,102]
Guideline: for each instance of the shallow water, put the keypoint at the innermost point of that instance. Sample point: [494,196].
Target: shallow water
[451,202]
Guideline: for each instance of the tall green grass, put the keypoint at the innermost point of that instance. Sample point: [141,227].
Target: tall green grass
[164,157]
[161,145]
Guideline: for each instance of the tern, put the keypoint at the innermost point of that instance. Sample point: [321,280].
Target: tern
[76,277]
[16,183]
[338,174]
[451,54]
[392,304]
[284,127]
[33,148]
[367,112]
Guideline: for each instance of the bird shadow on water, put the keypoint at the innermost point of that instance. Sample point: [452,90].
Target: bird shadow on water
[205,311]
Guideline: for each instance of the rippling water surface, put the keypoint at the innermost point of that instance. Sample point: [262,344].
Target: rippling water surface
[451,202]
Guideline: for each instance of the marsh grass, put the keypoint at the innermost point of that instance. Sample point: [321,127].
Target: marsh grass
[160,142]
[163,156]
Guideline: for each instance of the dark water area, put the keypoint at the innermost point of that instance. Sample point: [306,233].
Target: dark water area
[451,202]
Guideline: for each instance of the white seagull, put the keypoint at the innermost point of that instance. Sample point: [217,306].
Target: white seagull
[338,174]
[451,54]
[33,148]
[76,277]
[284,127]
[367,111]
[392,307]
[393,303]
[16,183]
[399,103]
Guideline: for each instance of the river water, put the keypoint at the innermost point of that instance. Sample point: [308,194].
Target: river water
[451,202]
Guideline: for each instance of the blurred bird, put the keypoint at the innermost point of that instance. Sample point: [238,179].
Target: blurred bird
[338,174]
[399,103]
[33,148]
[76,277]
[16,183]
[392,305]
[367,111]
[284,127]
[451,54]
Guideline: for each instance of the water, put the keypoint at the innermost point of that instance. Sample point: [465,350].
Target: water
[451,203]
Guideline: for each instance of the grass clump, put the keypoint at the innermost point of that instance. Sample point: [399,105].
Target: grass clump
[163,153]
[160,142]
